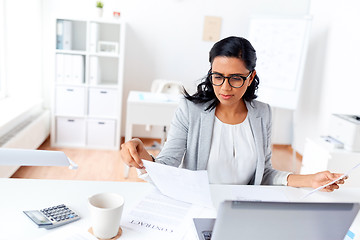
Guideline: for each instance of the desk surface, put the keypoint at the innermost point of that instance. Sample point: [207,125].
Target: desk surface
[25,194]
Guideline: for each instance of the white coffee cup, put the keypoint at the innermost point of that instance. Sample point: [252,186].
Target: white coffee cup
[106,210]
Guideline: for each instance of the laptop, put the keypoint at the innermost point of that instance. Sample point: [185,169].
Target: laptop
[29,157]
[278,220]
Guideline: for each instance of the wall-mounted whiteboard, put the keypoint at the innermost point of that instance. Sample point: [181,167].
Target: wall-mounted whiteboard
[281,46]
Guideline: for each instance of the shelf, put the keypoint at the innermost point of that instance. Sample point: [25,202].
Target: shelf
[70,116]
[104,85]
[103,70]
[87,90]
[73,52]
[109,55]
[71,35]
[107,21]
[65,84]
[95,117]
[87,117]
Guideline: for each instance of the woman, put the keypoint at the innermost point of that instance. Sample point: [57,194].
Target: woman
[223,130]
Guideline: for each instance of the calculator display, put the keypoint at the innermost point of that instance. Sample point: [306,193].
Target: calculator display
[37,217]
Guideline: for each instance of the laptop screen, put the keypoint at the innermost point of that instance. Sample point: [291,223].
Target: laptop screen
[283,220]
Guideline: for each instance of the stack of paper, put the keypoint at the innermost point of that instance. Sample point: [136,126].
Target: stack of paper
[180,184]
[159,217]
[166,213]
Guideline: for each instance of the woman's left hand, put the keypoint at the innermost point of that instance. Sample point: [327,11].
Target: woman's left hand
[322,178]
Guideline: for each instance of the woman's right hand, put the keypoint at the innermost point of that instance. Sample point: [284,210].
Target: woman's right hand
[132,152]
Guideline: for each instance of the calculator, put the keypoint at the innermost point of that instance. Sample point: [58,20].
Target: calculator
[52,217]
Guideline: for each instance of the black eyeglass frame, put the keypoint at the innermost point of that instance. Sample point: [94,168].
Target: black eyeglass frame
[228,78]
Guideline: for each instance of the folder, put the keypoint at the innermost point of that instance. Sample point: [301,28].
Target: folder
[68,68]
[77,69]
[59,67]
[94,36]
[59,34]
[94,71]
[67,35]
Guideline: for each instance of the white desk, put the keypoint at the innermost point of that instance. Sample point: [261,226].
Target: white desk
[146,108]
[24,194]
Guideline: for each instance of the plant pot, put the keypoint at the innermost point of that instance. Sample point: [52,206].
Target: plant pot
[100,12]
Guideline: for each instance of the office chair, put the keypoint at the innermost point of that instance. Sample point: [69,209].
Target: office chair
[168,87]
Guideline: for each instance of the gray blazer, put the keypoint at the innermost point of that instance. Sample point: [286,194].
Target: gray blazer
[189,139]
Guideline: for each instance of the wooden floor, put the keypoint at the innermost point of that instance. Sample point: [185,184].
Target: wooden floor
[106,165]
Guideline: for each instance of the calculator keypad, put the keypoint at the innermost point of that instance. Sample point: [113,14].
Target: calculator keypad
[52,217]
[59,213]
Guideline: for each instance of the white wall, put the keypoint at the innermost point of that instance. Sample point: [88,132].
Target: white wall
[23,20]
[343,59]
[164,41]
[164,37]
[331,83]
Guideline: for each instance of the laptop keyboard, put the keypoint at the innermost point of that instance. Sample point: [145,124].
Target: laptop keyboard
[206,235]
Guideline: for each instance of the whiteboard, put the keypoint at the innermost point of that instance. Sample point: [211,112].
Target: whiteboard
[281,46]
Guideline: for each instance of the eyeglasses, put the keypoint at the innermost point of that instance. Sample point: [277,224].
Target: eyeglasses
[235,80]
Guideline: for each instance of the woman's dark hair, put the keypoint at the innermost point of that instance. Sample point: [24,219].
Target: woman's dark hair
[228,47]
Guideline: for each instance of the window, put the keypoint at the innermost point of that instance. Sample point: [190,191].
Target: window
[2,51]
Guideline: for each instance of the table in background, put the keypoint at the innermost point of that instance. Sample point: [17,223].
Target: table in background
[320,154]
[27,194]
[147,108]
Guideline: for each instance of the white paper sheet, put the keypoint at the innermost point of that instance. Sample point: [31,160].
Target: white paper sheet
[68,233]
[332,182]
[159,217]
[180,184]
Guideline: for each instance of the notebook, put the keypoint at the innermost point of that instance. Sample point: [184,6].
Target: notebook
[278,220]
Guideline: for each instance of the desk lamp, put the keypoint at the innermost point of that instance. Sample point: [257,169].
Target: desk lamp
[27,157]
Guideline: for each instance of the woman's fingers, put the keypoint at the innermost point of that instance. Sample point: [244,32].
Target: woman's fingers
[334,176]
[129,154]
[136,161]
[331,188]
[341,181]
[325,177]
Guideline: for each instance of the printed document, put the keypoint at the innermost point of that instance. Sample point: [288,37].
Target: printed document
[341,177]
[180,184]
[159,217]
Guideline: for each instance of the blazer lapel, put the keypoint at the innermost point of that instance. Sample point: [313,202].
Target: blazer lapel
[256,128]
[206,129]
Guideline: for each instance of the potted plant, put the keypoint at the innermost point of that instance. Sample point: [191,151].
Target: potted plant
[99,6]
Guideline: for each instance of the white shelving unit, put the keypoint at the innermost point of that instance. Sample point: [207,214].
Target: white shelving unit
[88,81]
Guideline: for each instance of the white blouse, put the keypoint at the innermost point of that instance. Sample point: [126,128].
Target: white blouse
[232,155]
